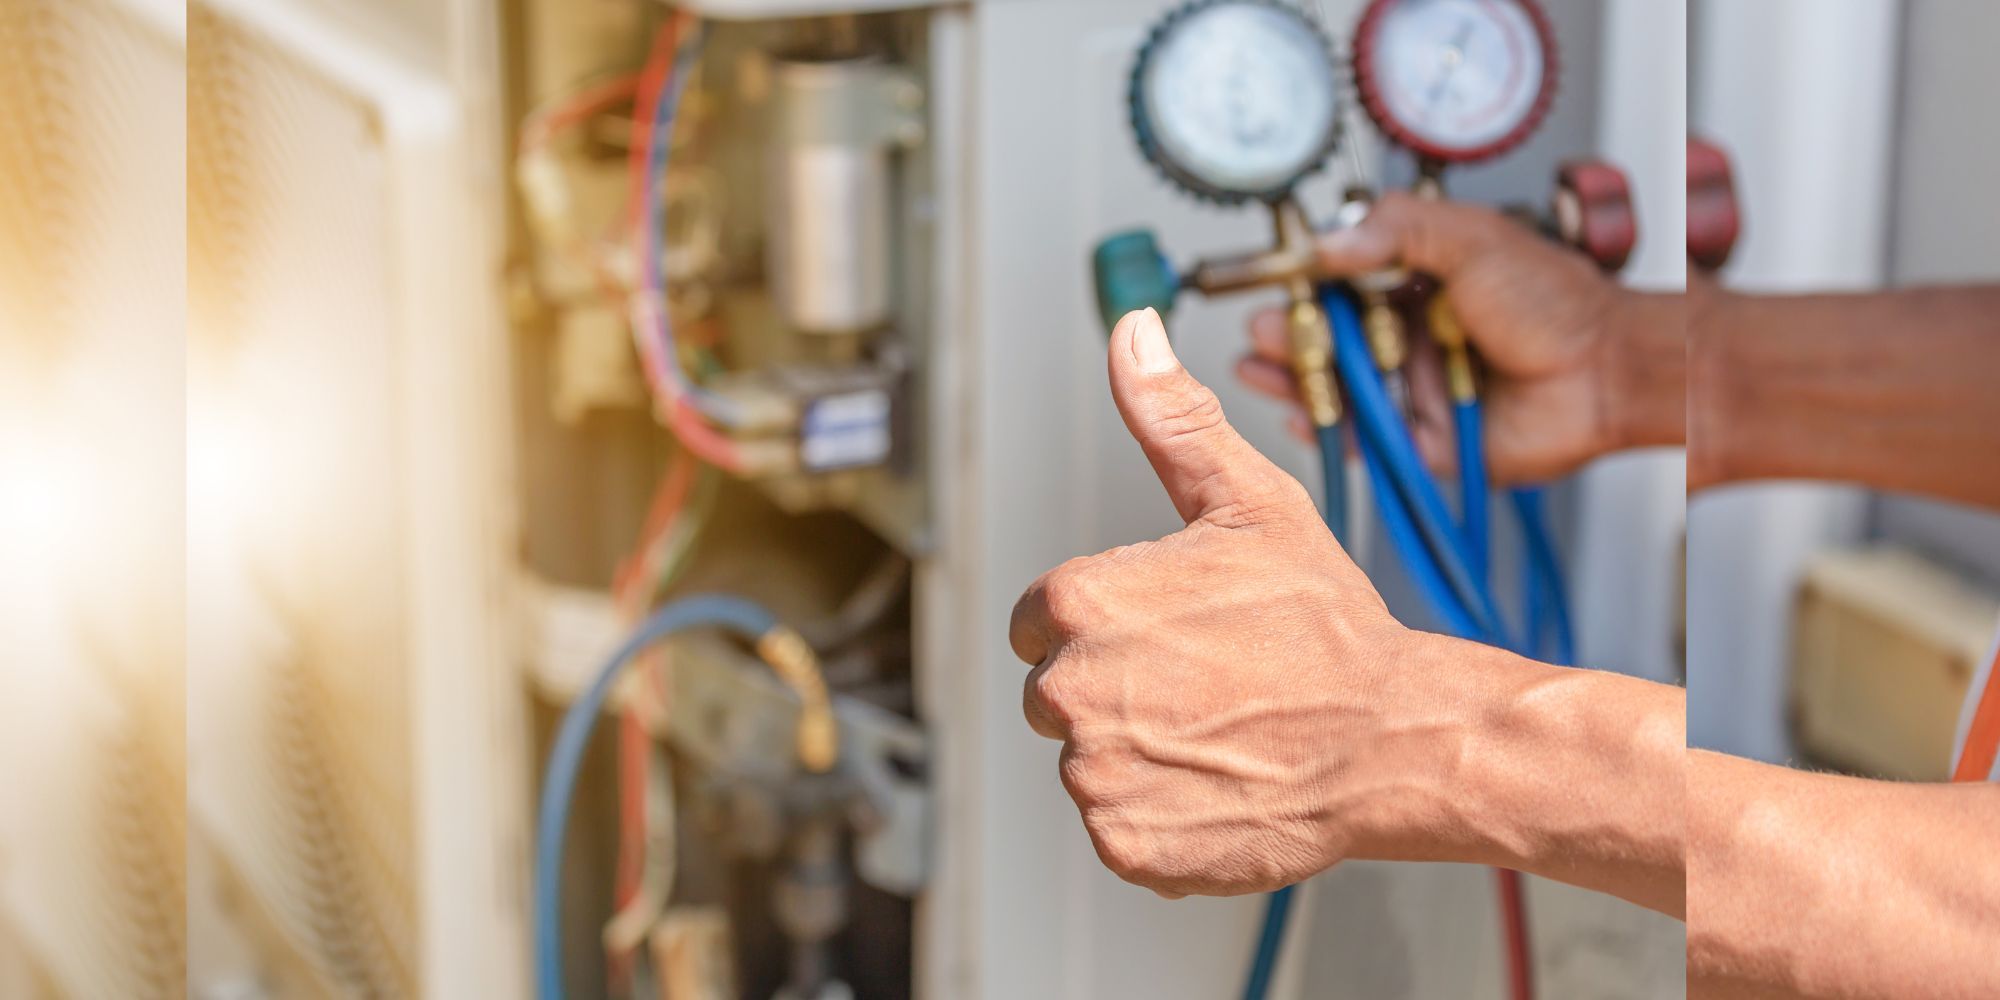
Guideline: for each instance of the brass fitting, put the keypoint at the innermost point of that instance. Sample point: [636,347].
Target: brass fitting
[1385,331]
[793,661]
[1311,343]
[1450,336]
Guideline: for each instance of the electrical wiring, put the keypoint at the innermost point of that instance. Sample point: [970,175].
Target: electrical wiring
[543,124]
[645,860]
[685,405]
[539,175]
[744,618]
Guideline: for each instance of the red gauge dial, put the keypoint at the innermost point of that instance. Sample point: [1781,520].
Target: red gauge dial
[1455,80]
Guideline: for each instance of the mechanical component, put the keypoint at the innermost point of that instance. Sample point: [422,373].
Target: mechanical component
[739,725]
[811,905]
[1713,218]
[1131,274]
[838,123]
[1235,100]
[1455,81]
[1592,211]
[817,736]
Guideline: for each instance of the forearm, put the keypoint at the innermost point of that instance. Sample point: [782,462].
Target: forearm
[1815,885]
[1647,371]
[1893,390]
[1573,775]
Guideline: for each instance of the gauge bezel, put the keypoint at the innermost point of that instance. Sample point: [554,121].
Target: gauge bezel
[1187,180]
[1368,88]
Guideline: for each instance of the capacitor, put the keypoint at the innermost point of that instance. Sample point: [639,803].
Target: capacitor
[839,124]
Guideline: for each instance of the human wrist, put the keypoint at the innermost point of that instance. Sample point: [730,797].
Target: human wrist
[1643,371]
[1710,389]
[1440,705]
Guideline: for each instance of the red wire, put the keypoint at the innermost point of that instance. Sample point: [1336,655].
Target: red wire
[544,125]
[1982,740]
[1514,919]
[659,63]
[630,590]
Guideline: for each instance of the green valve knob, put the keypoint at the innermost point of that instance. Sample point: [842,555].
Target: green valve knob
[1132,274]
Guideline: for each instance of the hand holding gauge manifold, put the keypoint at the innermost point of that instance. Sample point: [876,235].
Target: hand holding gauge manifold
[1544,320]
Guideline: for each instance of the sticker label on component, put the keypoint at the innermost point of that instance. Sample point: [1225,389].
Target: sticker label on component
[845,430]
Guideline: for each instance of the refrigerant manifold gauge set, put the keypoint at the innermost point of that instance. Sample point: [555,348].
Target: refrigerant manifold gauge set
[1235,102]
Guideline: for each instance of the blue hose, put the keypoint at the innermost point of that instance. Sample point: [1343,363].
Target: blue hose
[1548,601]
[1382,429]
[1472,482]
[1277,909]
[1333,476]
[573,737]
[1416,559]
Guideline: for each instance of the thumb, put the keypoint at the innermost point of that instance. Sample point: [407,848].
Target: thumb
[1210,472]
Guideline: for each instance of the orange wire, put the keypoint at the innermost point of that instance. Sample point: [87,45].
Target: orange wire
[631,589]
[1982,740]
[545,124]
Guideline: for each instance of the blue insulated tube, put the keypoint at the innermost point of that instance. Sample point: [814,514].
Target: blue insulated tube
[735,614]
[1375,415]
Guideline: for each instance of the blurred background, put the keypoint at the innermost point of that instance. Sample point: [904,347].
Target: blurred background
[298,589]
[425,485]
[1831,626]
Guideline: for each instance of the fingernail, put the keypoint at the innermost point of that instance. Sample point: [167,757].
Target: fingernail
[1150,347]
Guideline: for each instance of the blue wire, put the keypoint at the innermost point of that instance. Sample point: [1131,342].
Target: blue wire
[1472,485]
[1382,429]
[666,106]
[573,737]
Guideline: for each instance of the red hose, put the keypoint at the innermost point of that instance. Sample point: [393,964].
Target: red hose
[1982,741]
[1514,920]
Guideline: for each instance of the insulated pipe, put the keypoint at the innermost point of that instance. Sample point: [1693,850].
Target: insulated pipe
[734,614]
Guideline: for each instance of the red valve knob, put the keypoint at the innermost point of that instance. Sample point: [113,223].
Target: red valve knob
[1714,220]
[1593,211]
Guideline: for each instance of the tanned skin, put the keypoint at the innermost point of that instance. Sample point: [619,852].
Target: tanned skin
[1239,711]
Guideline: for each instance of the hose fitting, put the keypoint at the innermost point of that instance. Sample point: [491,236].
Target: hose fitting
[793,661]
[1385,330]
[1311,343]
[1450,336]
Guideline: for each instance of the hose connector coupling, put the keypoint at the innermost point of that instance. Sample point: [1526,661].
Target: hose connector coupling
[793,661]
[1385,330]
[1311,343]
[1450,336]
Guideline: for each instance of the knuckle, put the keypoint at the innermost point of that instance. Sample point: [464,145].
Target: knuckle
[1072,596]
[1076,777]
[1125,853]
[1050,689]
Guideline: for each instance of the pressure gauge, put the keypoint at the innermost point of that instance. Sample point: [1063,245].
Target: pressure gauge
[1455,80]
[1236,99]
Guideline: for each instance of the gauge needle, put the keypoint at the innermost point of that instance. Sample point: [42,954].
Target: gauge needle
[1454,57]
